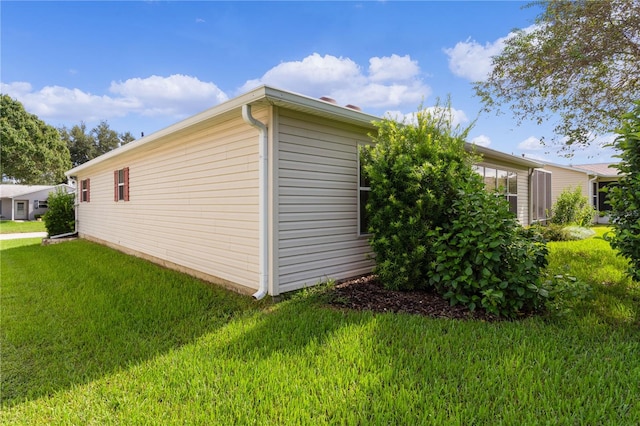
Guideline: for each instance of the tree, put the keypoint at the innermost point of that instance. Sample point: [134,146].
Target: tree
[79,142]
[433,226]
[580,61]
[86,145]
[31,151]
[625,197]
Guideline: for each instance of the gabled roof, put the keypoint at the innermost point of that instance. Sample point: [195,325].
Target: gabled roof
[600,169]
[15,190]
[266,95]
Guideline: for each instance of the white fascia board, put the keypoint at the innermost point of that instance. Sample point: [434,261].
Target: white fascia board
[504,156]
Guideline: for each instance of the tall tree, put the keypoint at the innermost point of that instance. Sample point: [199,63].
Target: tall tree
[31,151]
[105,138]
[580,61]
[80,143]
[85,145]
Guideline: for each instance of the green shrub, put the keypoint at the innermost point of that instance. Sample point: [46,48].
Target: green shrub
[565,293]
[485,258]
[60,217]
[625,197]
[572,208]
[415,171]
[552,232]
[434,226]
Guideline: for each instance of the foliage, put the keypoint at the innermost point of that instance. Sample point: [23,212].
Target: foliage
[552,232]
[556,232]
[31,151]
[434,226]
[414,171]
[572,208]
[625,197]
[60,217]
[483,257]
[85,145]
[566,292]
[581,61]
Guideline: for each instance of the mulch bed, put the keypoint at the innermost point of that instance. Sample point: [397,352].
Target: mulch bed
[367,293]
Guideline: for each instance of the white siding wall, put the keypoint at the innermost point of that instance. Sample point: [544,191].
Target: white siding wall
[317,224]
[193,201]
[563,179]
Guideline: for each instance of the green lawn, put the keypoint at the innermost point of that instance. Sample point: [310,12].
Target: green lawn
[91,336]
[11,227]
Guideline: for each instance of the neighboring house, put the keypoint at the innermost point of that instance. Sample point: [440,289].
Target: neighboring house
[261,193]
[24,202]
[591,178]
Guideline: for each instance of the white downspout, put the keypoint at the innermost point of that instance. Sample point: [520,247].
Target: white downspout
[262,199]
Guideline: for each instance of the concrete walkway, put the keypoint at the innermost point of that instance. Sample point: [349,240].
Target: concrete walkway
[23,235]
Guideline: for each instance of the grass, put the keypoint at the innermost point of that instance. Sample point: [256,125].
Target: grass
[12,227]
[85,342]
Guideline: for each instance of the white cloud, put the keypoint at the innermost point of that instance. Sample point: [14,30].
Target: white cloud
[531,144]
[481,140]
[390,81]
[474,61]
[393,68]
[175,96]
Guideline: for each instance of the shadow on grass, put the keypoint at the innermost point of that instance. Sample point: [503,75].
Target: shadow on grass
[76,311]
[401,369]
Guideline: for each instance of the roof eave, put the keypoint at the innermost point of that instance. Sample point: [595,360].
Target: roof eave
[270,94]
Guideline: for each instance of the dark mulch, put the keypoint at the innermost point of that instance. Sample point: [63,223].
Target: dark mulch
[367,293]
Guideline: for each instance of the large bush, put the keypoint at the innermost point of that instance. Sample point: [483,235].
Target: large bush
[434,226]
[625,197]
[572,208]
[60,217]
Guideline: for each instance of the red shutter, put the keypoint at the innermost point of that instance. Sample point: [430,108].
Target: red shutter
[88,190]
[126,184]
[115,185]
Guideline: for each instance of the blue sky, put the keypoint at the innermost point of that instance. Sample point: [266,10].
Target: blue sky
[143,66]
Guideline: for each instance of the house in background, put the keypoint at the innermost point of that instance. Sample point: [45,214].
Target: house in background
[261,193]
[591,178]
[24,202]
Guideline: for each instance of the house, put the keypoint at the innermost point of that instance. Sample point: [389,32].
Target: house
[260,193]
[591,178]
[24,202]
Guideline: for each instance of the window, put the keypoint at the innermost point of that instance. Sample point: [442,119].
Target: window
[601,195]
[540,195]
[39,204]
[363,196]
[121,185]
[502,181]
[85,188]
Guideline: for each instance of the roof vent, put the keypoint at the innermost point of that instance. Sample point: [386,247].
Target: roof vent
[353,107]
[328,99]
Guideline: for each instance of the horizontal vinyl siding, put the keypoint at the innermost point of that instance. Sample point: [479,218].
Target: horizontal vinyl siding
[317,202]
[193,202]
[563,179]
